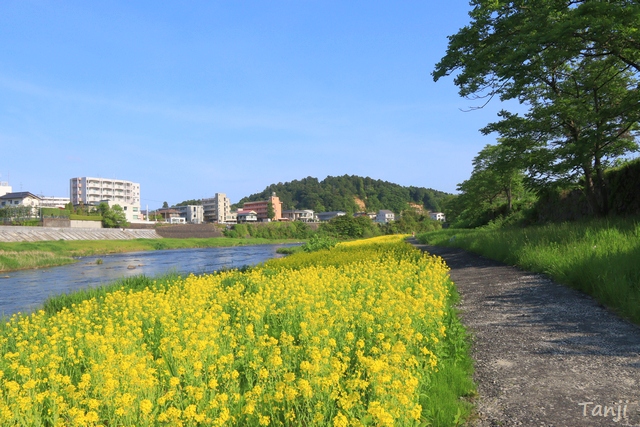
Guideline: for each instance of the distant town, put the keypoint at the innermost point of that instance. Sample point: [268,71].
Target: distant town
[91,192]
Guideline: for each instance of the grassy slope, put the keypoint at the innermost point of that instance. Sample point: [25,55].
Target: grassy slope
[598,257]
[23,255]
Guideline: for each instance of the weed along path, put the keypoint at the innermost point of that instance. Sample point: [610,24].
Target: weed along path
[546,355]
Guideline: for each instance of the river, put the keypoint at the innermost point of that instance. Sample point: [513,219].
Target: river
[25,290]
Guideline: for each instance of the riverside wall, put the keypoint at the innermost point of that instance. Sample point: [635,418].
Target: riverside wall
[36,234]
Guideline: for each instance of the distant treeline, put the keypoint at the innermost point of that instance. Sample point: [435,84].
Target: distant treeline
[339,193]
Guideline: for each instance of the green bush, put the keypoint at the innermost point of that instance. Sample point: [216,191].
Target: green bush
[348,227]
[318,243]
[271,230]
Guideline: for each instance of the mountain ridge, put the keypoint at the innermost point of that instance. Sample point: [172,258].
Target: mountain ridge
[340,193]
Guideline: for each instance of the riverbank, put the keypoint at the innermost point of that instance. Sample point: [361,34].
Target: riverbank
[598,257]
[27,255]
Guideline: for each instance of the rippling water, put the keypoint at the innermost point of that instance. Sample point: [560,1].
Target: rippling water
[24,291]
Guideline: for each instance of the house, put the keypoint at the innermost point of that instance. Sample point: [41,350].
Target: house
[246,215]
[305,215]
[262,207]
[384,216]
[167,213]
[371,215]
[327,216]
[22,198]
[438,216]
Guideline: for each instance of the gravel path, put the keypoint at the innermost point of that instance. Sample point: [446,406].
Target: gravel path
[546,355]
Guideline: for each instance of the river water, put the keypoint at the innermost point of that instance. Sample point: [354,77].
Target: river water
[24,291]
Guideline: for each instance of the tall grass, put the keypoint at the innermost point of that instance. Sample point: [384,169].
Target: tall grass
[599,257]
[23,255]
[14,260]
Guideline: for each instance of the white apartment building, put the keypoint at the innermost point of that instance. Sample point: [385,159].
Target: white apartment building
[91,191]
[193,214]
[217,209]
[5,188]
[54,202]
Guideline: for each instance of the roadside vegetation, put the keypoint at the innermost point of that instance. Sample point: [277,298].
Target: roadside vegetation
[364,333]
[598,256]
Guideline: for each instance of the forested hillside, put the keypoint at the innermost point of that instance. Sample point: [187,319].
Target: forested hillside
[342,193]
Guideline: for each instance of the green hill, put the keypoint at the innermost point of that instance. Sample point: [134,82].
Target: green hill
[350,194]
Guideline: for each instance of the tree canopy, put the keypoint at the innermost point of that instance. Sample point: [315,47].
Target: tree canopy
[574,66]
[112,217]
[340,194]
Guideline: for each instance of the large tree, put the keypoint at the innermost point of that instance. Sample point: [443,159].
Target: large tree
[572,65]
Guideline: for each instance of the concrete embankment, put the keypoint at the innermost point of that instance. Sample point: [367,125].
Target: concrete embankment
[35,234]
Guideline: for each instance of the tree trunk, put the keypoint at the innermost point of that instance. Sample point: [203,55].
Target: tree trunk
[593,191]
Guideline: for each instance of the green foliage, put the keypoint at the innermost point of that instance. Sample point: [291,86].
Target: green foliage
[411,222]
[16,214]
[597,256]
[271,230]
[188,203]
[55,212]
[348,227]
[318,243]
[577,79]
[113,217]
[339,193]
[496,188]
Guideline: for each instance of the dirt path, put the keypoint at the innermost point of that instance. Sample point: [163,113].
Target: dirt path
[546,355]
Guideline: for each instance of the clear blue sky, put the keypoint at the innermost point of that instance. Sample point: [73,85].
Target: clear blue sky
[198,97]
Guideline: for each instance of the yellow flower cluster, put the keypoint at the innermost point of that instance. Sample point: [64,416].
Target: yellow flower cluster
[347,337]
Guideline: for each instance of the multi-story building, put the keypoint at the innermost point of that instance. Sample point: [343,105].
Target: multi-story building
[5,188]
[217,209]
[54,202]
[91,191]
[261,208]
[193,214]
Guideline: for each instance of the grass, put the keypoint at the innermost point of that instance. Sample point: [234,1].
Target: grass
[18,260]
[599,257]
[25,255]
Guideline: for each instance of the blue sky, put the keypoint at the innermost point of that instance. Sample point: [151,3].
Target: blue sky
[193,98]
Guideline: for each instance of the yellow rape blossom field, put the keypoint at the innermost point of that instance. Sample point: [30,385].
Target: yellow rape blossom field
[359,335]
